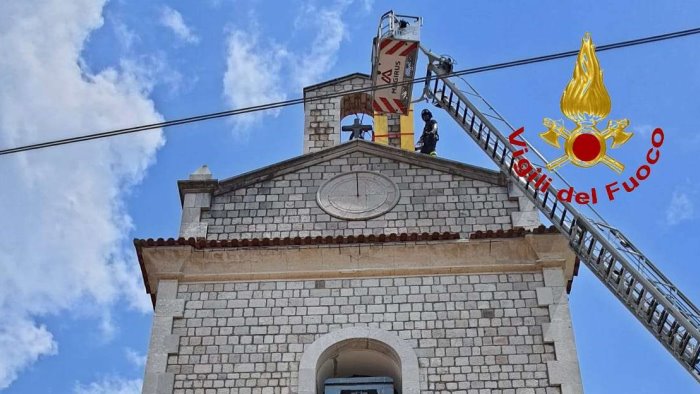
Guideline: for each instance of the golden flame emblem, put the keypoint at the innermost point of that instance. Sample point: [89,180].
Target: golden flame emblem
[586,101]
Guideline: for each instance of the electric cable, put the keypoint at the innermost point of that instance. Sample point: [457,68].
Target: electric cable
[285,103]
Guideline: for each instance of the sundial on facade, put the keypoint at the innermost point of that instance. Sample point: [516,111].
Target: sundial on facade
[358,195]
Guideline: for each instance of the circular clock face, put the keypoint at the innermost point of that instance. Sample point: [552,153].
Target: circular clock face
[358,195]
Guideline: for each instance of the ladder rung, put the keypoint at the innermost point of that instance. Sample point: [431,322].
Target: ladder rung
[554,208]
[683,343]
[696,355]
[662,321]
[510,167]
[640,311]
[581,237]
[563,216]
[609,268]
[652,309]
[672,332]
[620,276]
[601,255]
[626,285]
[590,246]
[572,227]
[641,296]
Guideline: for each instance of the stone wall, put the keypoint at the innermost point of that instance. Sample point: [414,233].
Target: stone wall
[431,201]
[471,333]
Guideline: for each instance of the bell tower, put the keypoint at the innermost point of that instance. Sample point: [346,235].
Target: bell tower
[323,115]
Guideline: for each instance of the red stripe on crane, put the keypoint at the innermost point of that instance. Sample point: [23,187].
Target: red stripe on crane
[387,104]
[395,48]
[376,106]
[410,49]
[384,43]
[400,106]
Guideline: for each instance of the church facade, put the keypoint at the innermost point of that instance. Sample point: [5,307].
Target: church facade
[358,267]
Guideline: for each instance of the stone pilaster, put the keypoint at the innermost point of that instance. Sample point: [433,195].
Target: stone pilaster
[196,196]
[163,342]
[527,216]
[564,370]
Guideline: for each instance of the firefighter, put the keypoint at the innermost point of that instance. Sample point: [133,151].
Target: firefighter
[428,140]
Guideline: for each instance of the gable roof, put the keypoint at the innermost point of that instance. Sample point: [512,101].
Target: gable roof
[336,81]
[309,159]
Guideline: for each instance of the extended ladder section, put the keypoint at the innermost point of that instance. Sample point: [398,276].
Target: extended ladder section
[629,275]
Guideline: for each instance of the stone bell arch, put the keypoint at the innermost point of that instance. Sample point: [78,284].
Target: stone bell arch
[322,116]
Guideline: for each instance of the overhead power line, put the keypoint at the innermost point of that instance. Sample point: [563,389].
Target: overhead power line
[285,103]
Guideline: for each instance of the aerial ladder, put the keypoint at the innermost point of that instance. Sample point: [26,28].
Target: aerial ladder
[622,267]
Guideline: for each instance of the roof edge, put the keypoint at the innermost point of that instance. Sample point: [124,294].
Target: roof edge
[204,244]
[196,186]
[335,81]
[308,159]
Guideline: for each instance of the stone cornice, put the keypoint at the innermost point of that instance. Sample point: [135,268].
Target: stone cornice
[196,186]
[187,263]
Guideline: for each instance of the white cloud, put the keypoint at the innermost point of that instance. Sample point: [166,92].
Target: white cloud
[252,75]
[135,358]
[111,385]
[262,71]
[107,328]
[126,37]
[680,209]
[22,343]
[172,19]
[315,62]
[63,242]
[153,69]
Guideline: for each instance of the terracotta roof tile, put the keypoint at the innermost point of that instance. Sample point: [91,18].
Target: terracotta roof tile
[291,241]
[512,233]
[339,240]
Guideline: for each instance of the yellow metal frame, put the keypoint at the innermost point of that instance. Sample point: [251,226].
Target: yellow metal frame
[406,134]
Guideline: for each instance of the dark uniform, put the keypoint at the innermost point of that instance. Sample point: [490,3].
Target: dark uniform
[430,137]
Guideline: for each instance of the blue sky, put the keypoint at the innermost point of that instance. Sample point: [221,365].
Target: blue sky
[74,318]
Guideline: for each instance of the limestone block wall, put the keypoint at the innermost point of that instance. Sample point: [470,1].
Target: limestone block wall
[431,200]
[478,333]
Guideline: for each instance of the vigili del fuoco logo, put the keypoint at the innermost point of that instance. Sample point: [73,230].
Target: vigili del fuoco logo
[586,102]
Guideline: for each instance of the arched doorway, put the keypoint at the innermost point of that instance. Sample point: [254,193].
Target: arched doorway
[359,351]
